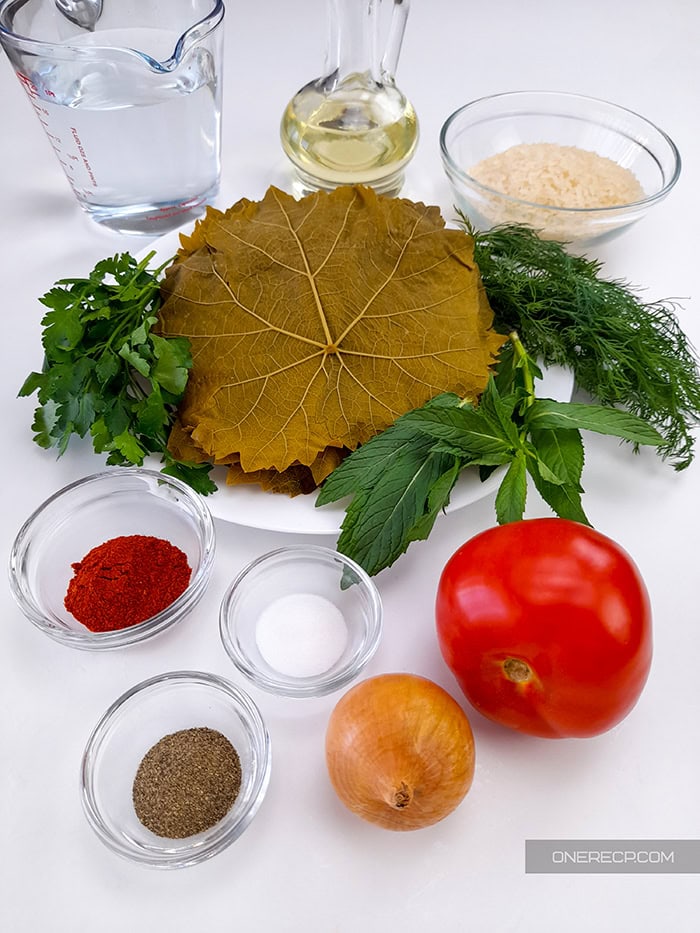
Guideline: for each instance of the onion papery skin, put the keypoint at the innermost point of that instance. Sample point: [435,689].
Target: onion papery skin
[400,751]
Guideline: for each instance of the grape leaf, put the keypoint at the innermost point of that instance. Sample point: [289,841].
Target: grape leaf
[316,323]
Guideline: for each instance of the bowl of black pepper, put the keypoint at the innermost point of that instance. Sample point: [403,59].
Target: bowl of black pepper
[176,769]
[113,559]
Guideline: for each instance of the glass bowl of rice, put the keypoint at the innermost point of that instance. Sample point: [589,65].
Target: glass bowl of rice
[576,169]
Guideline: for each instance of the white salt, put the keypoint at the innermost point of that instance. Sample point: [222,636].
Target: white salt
[301,635]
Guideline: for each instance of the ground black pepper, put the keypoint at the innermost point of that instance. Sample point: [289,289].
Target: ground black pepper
[186,782]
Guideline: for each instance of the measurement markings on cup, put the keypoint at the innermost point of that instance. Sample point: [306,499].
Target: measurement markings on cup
[87,165]
[58,143]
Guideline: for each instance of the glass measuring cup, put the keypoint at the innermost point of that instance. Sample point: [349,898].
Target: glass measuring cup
[353,125]
[132,107]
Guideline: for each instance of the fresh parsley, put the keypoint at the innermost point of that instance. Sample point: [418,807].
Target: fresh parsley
[106,373]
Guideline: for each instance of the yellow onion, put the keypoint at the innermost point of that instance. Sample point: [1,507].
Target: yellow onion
[399,751]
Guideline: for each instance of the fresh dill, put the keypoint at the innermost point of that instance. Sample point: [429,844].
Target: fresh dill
[623,351]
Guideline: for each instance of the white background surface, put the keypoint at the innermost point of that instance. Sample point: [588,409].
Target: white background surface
[306,864]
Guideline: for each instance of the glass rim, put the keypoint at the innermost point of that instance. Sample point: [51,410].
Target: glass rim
[64,50]
[609,210]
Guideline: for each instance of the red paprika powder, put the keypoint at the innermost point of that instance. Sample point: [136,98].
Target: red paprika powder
[125,581]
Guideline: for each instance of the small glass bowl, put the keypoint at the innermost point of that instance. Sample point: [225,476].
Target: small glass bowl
[132,725]
[123,501]
[492,125]
[301,569]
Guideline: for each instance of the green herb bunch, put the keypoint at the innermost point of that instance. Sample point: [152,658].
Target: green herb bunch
[622,351]
[631,357]
[401,479]
[107,373]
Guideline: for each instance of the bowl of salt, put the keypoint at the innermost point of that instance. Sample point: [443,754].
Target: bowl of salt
[301,621]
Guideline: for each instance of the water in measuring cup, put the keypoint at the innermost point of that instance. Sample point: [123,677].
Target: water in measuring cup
[140,148]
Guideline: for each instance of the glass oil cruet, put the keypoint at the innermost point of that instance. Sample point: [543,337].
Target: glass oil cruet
[353,125]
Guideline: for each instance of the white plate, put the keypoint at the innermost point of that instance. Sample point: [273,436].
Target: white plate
[250,506]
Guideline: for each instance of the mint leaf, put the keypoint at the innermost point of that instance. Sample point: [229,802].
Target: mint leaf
[465,430]
[380,453]
[485,434]
[379,520]
[438,500]
[564,499]
[560,454]
[372,460]
[546,413]
[512,493]
[498,408]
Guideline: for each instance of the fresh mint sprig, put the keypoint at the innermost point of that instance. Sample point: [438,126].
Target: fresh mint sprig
[402,479]
[106,373]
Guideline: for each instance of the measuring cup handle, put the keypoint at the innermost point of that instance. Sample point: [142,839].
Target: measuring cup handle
[397,28]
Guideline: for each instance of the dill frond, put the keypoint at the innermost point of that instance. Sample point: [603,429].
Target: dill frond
[623,351]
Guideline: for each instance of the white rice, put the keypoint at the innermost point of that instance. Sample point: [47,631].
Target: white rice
[555,176]
[560,176]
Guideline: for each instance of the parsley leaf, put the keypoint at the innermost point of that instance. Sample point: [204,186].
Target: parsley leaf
[106,374]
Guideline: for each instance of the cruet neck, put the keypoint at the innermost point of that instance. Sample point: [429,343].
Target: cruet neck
[365,37]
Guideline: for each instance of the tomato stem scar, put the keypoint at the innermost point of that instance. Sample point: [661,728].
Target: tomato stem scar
[516,670]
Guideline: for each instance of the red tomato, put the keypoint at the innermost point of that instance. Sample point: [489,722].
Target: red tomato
[546,625]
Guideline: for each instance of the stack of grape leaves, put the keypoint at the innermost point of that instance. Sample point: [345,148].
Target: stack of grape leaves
[314,324]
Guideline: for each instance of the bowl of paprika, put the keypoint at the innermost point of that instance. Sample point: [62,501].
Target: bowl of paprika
[113,559]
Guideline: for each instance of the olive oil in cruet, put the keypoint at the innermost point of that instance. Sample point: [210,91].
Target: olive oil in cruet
[354,125]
